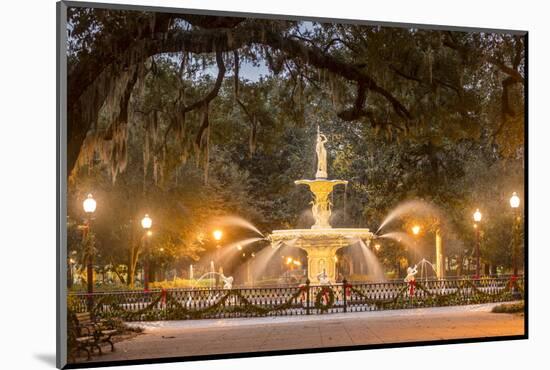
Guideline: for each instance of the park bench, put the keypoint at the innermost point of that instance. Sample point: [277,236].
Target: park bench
[91,333]
[80,339]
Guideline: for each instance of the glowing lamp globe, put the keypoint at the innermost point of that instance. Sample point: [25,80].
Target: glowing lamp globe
[477,215]
[416,229]
[89,204]
[217,234]
[514,200]
[146,222]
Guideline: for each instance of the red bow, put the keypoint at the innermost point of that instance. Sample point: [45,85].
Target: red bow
[513,280]
[412,285]
[303,291]
[347,289]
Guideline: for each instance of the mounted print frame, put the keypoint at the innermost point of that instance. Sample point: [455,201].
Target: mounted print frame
[236,185]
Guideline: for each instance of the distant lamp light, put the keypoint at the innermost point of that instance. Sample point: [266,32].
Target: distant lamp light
[416,229]
[146,222]
[289,260]
[514,200]
[377,247]
[477,215]
[218,234]
[240,247]
[149,233]
[89,204]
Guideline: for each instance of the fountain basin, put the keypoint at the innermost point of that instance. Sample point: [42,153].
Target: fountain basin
[321,246]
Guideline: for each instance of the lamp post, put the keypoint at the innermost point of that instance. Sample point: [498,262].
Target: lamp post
[514,203]
[89,206]
[146,224]
[477,219]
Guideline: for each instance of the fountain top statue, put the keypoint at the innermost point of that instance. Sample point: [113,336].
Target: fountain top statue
[321,155]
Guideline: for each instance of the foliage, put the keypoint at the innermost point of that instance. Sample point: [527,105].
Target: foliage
[164,120]
[510,308]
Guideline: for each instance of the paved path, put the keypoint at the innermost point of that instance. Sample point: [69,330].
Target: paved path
[201,337]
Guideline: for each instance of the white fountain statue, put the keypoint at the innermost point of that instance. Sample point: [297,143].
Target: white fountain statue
[321,241]
[411,273]
[321,155]
[227,281]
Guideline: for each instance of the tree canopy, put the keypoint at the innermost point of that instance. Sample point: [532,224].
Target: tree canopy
[163,115]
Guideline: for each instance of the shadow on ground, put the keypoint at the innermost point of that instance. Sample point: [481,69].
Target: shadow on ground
[47,358]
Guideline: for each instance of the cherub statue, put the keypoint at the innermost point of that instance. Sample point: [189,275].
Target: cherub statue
[411,272]
[227,281]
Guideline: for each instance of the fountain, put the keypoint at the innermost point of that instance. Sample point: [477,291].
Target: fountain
[321,241]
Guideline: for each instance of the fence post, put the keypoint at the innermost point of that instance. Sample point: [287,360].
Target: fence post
[345,286]
[307,296]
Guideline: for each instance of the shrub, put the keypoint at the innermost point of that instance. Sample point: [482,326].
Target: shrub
[509,308]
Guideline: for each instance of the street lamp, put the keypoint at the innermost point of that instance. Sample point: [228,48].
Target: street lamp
[218,234]
[477,219]
[146,223]
[514,203]
[89,206]
[514,200]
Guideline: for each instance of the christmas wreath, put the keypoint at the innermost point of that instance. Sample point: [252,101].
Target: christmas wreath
[324,299]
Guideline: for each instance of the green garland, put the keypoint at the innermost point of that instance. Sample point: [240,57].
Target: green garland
[380,303]
[111,306]
[435,299]
[115,310]
[325,291]
[176,311]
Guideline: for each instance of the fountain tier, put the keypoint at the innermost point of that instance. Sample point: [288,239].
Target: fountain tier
[321,246]
[321,206]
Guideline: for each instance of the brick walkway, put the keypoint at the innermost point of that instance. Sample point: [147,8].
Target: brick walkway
[201,337]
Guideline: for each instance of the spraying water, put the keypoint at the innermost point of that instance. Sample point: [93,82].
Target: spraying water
[416,207]
[238,221]
[262,259]
[373,265]
[401,237]
[425,266]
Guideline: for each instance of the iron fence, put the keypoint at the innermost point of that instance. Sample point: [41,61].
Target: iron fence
[181,304]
